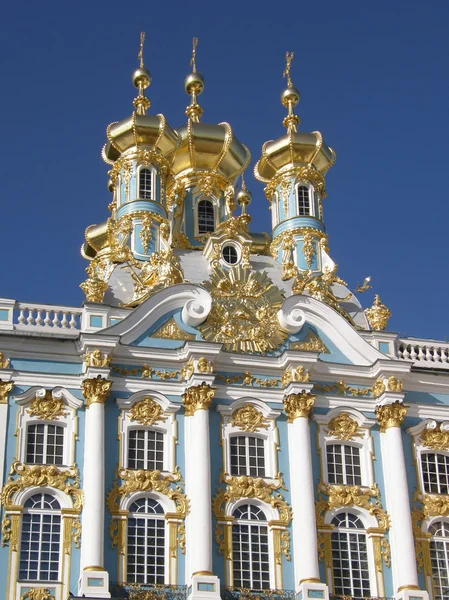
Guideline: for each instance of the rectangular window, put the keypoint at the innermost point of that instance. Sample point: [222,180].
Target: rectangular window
[146,450]
[435,472]
[250,556]
[146,550]
[247,456]
[350,564]
[45,444]
[303,201]
[39,547]
[343,464]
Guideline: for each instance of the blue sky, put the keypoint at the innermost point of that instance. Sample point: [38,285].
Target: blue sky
[373,78]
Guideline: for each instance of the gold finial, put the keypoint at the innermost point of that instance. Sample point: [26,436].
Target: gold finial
[378,315]
[244,197]
[140,55]
[290,96]
[194,85]
[141,79]
[289,56]
[193,59]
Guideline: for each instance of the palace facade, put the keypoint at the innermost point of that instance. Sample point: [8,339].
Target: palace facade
[221,417]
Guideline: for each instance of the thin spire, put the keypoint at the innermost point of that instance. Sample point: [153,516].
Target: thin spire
[194,85]
[141,79]
[290,96]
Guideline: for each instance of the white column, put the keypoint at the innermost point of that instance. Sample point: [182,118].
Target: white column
[305,545]
[94,581]
[197,401]
[405,573]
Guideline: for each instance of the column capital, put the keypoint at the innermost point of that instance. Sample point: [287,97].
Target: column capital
[391,415]
[5,388]
[96,390]
[299,405]
[198,397]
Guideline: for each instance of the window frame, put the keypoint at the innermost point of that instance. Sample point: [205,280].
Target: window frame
[312,207]
[343,444]
[426,452]
[246,436]
[420,447]
[46,425]
[146,429]
[275,215]
[169,427]
[429,536]
[151,168]
[215,206]
[364,443]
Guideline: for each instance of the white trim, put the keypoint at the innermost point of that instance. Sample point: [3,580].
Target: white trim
[420,449]
[23,495]
[275,210]
[237,247]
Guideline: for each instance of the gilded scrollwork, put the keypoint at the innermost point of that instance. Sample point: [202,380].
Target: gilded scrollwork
[308,248]
[4,362]
[147,412]
[337,496]
[299,373]
[172,331]
[38,594]
[249,418]
[344,427]
[341,387]
[204,366]
[147,481]
[311,344]
[436,436]
[43,475]
[48,408]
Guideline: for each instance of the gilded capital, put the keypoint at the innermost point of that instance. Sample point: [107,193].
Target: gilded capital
[198,397]
[96,390]
[391,415]
[299,405]
[5,388]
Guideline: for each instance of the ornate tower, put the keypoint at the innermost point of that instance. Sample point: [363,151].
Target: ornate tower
[140,150]
[207,162]
[294,168]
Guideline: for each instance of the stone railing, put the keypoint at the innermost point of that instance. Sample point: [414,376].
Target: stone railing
[252,594]
[148,591]
[423,353]
[53,320]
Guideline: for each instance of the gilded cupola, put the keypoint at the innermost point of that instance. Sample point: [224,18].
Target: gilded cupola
[207,162]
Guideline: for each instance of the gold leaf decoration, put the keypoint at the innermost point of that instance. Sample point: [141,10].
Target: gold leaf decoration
[244,311]
[378,315]
[391,415]
[5,388]
[47,408]
[147,412]
[172,331]
[311,344]
[344,427]
[198,397]
[38,594]
[4,362]
[436,437]
[248,418]
[97,358]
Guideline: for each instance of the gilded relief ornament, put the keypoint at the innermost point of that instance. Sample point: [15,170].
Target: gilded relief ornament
[436,436]
[187,370]
[47,408]
[311,344]
[38,594]
[97,358]
[5,388]
[378,315]
[299,374]
[204,366]
[435,505]
[147,412]
[94,288]
[146,233]
[299,405]
[248,418]
[391,415]
[96,390]
[394,384]
[198,397]
[244,311]
[172,331]
[308,248]
[4,362]
[344,427]
[42,475]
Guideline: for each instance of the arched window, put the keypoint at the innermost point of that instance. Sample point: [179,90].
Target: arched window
[250,548]
[247,455]
[303,198]
[145,449]
[206,217]
[145,184]
[40,541]
[343,464]
[350,556]
[435,472]
[146,542]
[439,556]
[45,444]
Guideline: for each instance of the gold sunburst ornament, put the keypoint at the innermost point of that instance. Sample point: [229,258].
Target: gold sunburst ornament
[244,311]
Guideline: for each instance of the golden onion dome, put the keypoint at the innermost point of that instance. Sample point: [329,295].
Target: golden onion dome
[204,147]
[140,129]
[295,149]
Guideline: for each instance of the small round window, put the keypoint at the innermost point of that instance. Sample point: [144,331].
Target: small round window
[230,255]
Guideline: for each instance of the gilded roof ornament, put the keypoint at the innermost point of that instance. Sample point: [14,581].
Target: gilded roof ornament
[378,315]
[290,96]
[142,80]
[194,85]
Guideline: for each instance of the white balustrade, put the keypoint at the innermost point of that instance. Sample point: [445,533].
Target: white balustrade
[421,352]
[38,317]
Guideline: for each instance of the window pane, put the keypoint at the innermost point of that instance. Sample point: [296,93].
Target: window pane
[45,444]
[146,543]
[206,217]
[146,449]
[435,470]
[349,557]
[247,456]
[303,197]
[145,184]
[250,549]
[343,464]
